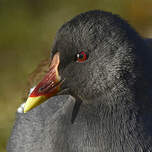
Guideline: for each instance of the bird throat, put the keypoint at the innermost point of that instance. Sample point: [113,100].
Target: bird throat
[114,128]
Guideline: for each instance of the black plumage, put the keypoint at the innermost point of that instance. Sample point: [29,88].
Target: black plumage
[113,86]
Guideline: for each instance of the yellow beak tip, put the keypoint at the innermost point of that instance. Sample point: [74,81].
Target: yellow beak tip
[33,102]
[25,110]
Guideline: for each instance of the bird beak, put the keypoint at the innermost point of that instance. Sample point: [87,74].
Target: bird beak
[48,87]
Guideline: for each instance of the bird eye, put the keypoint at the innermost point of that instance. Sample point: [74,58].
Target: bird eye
[81,57]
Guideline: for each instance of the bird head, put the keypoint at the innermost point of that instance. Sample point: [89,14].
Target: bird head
[93,57]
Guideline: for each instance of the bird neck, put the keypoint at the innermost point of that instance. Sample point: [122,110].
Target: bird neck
[124,126]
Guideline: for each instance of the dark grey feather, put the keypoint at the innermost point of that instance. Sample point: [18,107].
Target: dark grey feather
[114,85]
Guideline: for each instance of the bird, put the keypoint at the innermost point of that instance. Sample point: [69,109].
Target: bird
[96,95]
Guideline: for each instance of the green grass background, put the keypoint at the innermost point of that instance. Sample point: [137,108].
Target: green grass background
[27,30]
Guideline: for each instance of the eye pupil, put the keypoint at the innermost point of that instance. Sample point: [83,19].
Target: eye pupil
[81,56]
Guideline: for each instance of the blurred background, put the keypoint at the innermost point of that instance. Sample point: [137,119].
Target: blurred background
[27,30]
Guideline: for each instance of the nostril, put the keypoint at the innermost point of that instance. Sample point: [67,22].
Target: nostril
[43,87]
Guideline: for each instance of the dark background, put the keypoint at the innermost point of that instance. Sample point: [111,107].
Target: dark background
[27,30]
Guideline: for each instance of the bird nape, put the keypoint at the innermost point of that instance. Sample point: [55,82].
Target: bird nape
[100,76]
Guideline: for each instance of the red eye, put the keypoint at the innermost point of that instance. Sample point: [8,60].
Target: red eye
[81,57]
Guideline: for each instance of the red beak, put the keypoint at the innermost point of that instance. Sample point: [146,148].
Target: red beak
[48,87]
